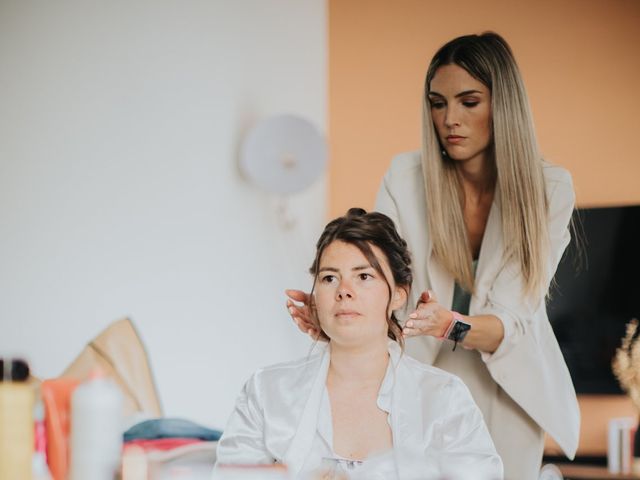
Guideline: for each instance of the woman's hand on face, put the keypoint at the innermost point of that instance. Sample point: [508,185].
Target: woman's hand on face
[299,309]
[429,318]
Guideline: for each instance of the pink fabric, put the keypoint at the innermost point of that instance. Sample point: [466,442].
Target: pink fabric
[162,443]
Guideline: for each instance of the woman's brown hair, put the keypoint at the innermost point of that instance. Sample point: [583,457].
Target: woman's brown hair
[363,230]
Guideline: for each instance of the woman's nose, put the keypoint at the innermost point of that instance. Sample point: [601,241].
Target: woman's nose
[344,291]
[451,117]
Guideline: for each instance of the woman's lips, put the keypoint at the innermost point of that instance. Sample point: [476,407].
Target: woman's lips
[454,139]
[347,313]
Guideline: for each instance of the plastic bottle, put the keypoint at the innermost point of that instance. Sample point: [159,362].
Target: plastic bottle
[96,429]
[16,420]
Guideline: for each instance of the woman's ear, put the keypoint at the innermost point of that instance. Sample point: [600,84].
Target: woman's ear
[399,297]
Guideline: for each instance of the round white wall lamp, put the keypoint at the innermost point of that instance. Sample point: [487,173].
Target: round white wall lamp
[283,154]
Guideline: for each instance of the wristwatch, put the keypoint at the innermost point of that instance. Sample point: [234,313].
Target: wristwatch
[457,330]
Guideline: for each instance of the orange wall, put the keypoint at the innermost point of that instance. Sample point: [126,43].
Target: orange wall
[580,60]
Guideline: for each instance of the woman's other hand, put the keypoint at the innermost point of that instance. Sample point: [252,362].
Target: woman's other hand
[429,318]
[299,309]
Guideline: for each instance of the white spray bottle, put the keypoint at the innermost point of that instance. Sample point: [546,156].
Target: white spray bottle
[96,429]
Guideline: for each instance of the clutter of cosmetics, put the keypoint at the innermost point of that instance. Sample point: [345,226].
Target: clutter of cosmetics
[86,416]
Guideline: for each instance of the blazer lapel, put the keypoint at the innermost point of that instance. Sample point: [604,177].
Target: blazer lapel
[423,348]
[490,260]
[441,282]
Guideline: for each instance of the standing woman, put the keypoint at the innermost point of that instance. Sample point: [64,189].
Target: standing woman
[487,221]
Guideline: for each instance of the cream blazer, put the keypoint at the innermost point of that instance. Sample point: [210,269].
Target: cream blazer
[438,430]
[528,364]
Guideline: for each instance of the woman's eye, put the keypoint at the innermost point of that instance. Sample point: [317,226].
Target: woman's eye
[327,278]
[437,105]
[365,276]
[470,104]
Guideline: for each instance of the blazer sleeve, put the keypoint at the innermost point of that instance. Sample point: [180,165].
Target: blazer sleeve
[505,299]
[465,446]
[242,441]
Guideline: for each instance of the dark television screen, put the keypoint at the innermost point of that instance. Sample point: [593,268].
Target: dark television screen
[596,292]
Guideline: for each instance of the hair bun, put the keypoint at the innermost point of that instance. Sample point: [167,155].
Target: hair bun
[356,212]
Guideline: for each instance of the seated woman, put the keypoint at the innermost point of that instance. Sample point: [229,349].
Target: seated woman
[360,406]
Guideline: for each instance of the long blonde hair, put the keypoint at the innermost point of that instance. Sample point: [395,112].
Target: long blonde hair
[520,186]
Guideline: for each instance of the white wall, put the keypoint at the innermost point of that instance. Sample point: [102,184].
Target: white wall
[120,193]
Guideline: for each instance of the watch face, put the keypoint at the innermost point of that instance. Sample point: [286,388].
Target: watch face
[459,331]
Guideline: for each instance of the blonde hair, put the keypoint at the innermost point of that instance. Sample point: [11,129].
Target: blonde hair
[520,186]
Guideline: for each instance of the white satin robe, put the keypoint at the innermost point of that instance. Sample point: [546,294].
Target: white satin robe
[438,431]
